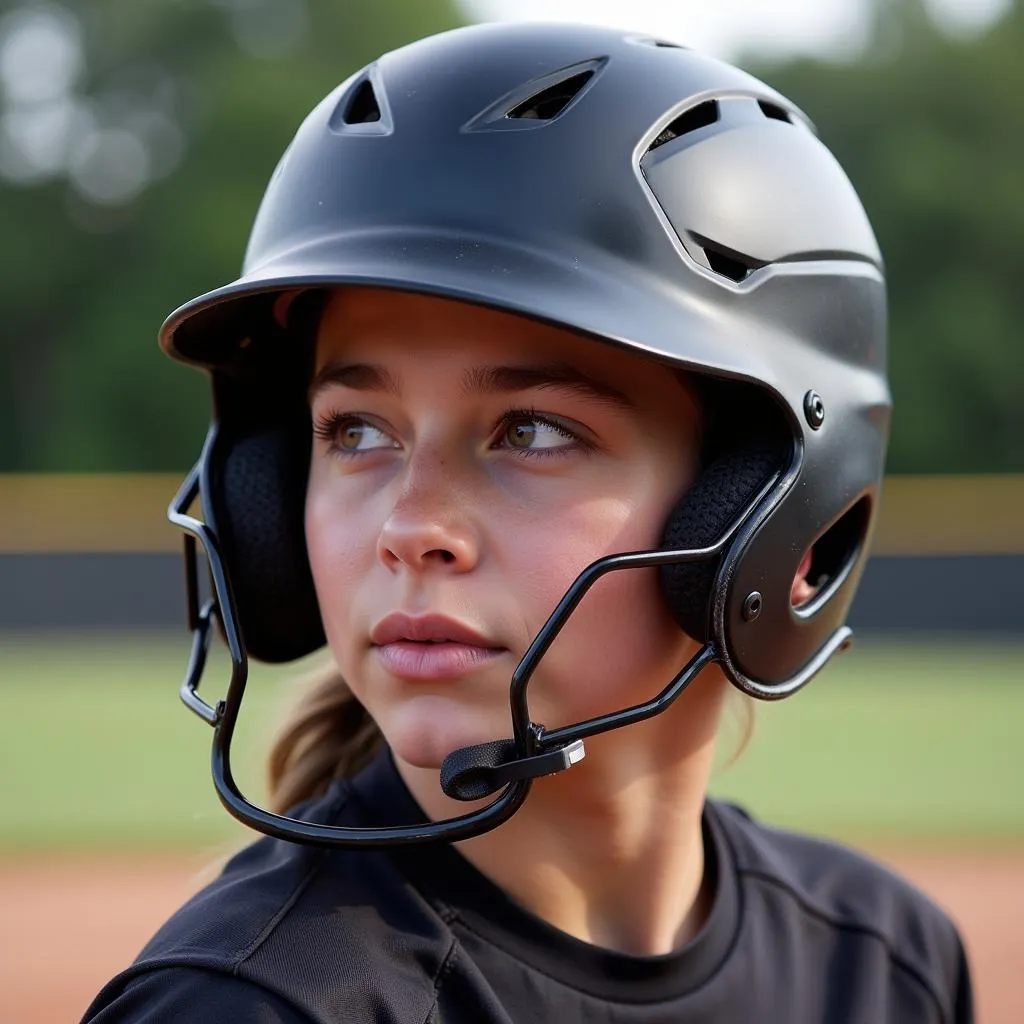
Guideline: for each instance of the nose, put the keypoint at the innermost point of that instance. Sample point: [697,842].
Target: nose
[429,526]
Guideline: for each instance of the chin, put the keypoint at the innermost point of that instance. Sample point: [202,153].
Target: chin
[424,731]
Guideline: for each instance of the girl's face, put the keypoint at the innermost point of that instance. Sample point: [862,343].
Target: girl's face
[466,466]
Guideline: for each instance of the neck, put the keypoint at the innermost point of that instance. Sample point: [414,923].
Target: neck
[610,851]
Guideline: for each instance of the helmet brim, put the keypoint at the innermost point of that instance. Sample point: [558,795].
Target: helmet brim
[599,295]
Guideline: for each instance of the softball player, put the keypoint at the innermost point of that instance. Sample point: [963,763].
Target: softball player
[552,399]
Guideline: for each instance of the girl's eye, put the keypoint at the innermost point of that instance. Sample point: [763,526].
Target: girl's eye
[352,434]
[532,433]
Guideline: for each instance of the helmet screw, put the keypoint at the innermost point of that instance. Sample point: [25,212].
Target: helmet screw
[814,409]
[752,605]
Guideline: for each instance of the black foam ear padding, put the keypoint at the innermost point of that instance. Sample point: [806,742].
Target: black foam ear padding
[259,499]
[719,496]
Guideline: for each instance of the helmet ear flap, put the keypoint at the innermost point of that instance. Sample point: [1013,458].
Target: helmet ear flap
[254,492]
[722,493]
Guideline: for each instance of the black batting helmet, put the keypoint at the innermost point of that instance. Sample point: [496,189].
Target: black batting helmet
[619,186]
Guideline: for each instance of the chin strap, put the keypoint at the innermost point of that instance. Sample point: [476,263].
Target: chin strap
[472,773]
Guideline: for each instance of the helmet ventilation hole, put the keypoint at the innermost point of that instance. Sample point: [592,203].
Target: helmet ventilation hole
[550,102]
[834,552]
[690,120]
[726,265]
[776,113]
[727,262]
[363,107]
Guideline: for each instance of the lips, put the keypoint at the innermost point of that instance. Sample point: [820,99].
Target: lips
[424,629]
[429,647]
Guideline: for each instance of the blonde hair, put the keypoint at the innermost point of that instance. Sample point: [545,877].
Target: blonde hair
[328,735]
[741,717]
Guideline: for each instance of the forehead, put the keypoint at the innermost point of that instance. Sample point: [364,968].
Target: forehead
[378,325]
[407,343]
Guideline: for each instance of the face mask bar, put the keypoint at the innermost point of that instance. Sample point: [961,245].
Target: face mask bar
[223,716]
[470,773]
[481,770]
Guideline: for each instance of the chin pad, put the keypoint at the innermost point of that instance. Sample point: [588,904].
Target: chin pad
[258,500]
[721,494]
[464,772]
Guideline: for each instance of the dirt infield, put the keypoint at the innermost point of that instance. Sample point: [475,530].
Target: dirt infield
[67,925]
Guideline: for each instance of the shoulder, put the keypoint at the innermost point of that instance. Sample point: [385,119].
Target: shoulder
[187,993]
[831,890]
[320,930]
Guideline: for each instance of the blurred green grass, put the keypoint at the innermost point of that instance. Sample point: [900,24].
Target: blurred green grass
[893,743]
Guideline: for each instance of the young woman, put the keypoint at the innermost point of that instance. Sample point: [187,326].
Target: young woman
[553,400]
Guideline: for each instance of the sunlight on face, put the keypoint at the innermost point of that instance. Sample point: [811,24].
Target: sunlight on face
[466,465]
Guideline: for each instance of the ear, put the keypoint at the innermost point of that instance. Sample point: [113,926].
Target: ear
[801,592]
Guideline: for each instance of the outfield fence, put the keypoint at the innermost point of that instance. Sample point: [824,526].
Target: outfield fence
[96,551]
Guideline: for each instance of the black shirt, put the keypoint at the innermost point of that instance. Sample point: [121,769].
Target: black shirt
[800,931]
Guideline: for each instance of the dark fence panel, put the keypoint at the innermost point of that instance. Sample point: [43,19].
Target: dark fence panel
[899,594]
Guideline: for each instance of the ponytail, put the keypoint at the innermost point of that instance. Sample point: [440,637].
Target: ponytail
[329,735]
[743,724]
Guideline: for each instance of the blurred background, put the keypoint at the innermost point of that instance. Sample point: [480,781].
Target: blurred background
[135,143]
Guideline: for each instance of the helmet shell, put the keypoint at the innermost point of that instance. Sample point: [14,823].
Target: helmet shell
[630,190]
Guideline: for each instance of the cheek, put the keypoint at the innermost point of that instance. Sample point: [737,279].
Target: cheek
[624,640]
[621,645]
[340,546]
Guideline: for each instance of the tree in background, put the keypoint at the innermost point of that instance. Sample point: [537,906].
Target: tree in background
[930,127]
[136,140]
[135,143]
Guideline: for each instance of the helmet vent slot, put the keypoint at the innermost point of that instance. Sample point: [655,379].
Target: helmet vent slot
[727,266]
[690,120]
[775,112]
[550,102]
[363,107]
[834,553]
[725,261]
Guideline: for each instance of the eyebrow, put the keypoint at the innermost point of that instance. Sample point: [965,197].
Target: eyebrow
[357,376]
[482,379]
[551,377]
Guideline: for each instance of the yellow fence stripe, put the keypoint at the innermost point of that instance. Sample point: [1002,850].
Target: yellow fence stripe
[951,515]
[921,515]
[85,512]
